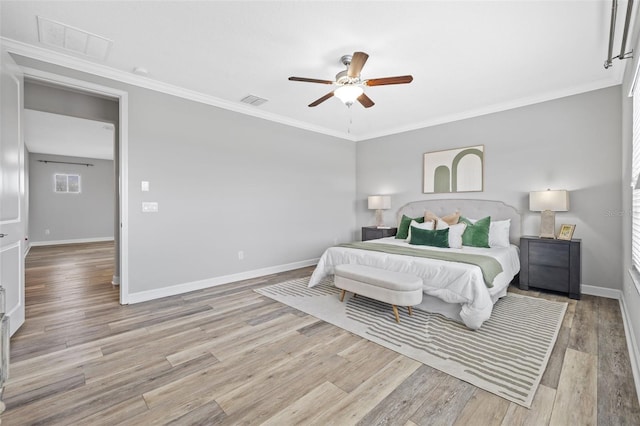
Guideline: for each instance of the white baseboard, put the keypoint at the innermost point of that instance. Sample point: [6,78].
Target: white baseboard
[634,353]
[173,290]
[76,241]
[609,293]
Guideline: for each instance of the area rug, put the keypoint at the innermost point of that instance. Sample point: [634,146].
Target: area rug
[506,357]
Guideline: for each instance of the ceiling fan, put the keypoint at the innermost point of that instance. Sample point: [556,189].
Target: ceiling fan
[350,85]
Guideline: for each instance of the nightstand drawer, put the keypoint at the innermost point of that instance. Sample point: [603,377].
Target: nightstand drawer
[550,265]
[548,254]
[373,232]
[548,277]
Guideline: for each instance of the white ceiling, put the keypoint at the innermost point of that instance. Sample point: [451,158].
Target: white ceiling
[467,57]
[55,134]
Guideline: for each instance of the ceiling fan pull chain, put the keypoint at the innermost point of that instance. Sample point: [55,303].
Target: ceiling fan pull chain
[350,121]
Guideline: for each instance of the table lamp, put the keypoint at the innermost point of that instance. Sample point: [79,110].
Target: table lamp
[379,203]
[548,202]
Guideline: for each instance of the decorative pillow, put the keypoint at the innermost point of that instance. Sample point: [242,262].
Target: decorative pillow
[476,234]
[403,227]
[425,225]
[427,237]
[450,219]
[455,233]
[498,232]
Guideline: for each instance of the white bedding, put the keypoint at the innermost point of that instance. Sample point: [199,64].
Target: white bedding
[452,282]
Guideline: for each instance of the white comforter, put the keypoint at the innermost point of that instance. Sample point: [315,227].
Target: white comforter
[452,282]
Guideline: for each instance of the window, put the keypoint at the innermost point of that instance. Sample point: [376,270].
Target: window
[635,200]
[67,183]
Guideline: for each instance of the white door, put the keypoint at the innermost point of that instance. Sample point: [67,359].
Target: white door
[12,191]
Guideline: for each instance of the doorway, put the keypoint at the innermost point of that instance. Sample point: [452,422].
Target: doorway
[47,93]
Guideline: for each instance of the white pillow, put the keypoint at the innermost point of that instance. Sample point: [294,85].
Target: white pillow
[426,225]
[455,232]
[498,232]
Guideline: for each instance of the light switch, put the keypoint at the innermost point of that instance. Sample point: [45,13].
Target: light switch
[145,186]
[150,207]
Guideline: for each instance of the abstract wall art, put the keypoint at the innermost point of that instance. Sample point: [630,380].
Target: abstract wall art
[454,170]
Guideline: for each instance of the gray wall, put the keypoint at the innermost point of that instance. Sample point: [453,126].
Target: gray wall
[87,215]
[571,143]
[226,182]
[50,98]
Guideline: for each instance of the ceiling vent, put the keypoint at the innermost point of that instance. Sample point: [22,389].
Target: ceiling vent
[73,39]
[253,100]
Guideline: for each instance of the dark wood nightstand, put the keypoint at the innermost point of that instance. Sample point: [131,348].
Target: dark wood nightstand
[373,232]
[551,265]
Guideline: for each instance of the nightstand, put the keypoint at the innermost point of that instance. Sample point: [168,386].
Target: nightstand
[373,232]
[550,265]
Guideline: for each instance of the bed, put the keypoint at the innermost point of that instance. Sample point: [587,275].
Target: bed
[460,291]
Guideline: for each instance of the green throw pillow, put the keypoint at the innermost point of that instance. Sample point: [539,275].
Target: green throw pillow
[428,237]
[476,234]
[403,228]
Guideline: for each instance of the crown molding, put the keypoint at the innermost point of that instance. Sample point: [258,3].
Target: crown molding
[52,57]
[505,106]
[77,64]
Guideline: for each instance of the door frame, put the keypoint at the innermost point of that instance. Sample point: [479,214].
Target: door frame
[123,157]
[16,313]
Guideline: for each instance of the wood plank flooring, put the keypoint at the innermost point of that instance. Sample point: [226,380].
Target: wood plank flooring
[227,355]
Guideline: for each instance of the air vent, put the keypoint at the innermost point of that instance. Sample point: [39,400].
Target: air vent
[73,39]
[253,100]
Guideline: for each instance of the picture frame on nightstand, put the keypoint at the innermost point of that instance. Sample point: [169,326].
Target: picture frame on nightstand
[566,232]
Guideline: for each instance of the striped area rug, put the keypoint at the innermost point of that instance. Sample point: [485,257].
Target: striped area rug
[507,356]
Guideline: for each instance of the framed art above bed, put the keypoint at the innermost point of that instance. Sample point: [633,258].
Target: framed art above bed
[454,170]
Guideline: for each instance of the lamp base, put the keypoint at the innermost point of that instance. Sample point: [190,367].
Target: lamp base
[548,224]
[379,218]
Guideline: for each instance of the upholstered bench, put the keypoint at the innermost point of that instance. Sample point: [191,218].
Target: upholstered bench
[396,288]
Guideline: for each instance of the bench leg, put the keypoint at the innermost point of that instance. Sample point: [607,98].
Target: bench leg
[342,295]
[410,310]
[395,312]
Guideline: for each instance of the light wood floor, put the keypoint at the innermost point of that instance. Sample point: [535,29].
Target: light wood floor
[227,355]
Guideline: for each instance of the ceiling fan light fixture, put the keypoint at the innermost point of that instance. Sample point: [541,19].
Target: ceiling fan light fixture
[348,94]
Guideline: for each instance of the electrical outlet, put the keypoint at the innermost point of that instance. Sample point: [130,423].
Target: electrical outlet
[150,207]
[241,255]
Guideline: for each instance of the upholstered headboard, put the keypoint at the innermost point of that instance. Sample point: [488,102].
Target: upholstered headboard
[475,209]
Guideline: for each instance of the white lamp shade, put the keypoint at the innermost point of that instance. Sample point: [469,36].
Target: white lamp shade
[348,94]
[379,202]
[555,201]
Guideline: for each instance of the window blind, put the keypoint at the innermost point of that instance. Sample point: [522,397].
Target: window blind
[635,172]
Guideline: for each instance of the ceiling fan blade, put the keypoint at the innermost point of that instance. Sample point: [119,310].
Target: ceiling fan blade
[365,101]
[311,80]
[321,100]
[389,80]
[357,62]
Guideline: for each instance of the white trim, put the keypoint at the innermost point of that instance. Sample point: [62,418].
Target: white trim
[491,109]
[60,59]
[634,353]
[609,293]
[123,167]
[74,241]
[174,290]
[56,58]
[123,125]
